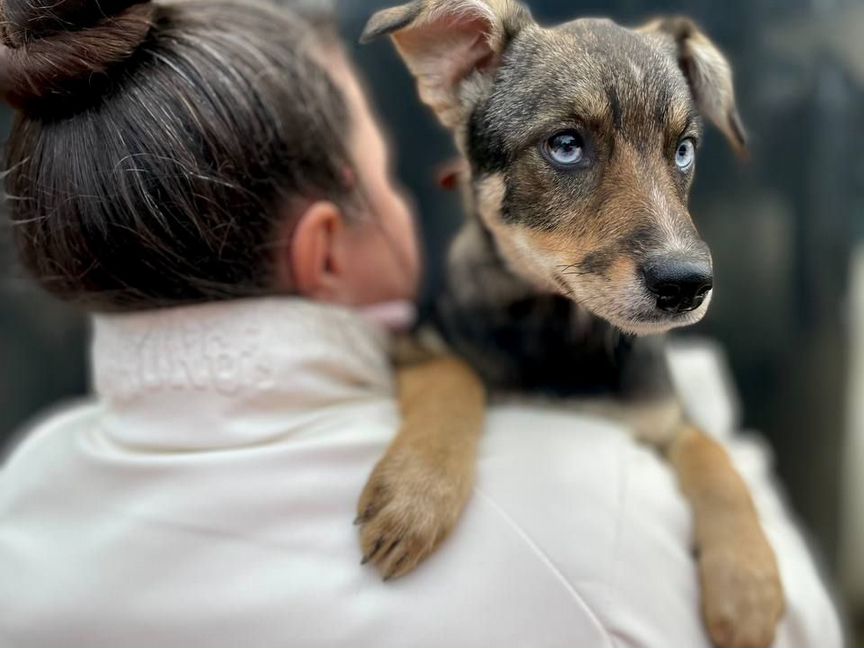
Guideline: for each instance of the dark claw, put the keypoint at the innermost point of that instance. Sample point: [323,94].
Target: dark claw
[395,569]
[372,553]
[365,516]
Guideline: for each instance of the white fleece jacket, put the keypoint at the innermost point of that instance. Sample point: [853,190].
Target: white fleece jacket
[206,496]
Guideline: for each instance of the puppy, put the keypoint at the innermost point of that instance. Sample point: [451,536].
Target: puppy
[580,142]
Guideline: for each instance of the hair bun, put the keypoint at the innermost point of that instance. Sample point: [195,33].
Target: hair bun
[50,44]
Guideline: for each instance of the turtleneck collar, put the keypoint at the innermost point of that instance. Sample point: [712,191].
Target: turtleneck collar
[232,374]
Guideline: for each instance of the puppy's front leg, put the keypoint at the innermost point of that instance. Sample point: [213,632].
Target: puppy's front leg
[742,595]
[419,489]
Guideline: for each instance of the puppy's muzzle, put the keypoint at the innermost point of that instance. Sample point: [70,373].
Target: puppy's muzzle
[680,284]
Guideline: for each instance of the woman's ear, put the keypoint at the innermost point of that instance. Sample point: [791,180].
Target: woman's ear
[309,264]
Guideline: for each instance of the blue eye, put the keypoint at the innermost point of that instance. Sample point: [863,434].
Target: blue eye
[565,149]
[685,156]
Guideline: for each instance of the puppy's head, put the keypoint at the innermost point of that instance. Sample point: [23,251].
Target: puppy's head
[582,141]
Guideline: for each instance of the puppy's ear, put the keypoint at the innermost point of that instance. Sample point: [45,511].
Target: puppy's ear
[708,73]
[444,42]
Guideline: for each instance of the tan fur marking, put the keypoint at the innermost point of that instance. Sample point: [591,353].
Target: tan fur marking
[742,595]
[653,422]
[514,243]
[418,491]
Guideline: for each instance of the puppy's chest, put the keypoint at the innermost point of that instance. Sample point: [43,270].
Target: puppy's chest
[543,344]
[522,340]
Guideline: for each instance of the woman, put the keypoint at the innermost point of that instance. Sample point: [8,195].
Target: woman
[207,178]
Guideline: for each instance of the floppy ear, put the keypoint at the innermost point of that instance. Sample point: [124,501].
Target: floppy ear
[444,42]
[708,73]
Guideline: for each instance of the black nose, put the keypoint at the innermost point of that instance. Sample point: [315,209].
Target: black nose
[681,285]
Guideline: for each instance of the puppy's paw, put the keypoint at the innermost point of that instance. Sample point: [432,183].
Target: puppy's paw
[742,595]
[406,510]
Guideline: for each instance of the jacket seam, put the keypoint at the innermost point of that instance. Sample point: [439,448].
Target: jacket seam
[544,559]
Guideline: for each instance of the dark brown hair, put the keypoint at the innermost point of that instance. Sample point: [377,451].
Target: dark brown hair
[157,144]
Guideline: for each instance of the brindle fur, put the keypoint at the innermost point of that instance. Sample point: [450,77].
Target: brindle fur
[546,343]
[545,292]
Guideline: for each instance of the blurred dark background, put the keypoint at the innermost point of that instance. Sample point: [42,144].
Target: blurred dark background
[784,229]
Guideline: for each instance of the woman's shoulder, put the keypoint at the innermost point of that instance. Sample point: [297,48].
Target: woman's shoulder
[50,432]
[600,513]
[603,514]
